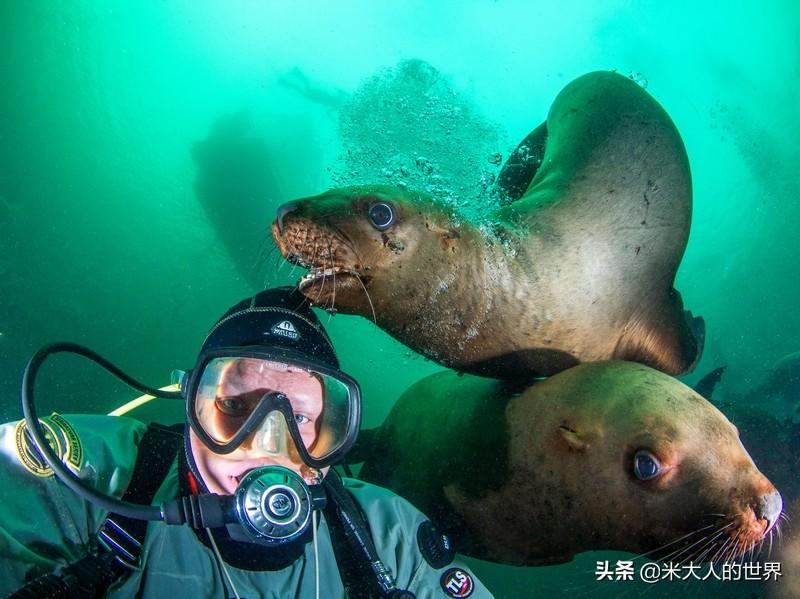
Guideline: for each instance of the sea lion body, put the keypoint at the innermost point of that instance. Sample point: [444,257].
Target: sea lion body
[580,268]
[534,476]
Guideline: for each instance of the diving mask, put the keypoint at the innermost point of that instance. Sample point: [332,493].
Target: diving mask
[254,404]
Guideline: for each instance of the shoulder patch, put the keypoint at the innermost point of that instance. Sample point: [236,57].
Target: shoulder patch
[435,547]
[61,437]
[457,583]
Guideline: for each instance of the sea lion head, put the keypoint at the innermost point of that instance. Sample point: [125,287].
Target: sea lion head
[628,458]
[369,247]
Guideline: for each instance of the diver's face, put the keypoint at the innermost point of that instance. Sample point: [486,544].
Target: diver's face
[241,387]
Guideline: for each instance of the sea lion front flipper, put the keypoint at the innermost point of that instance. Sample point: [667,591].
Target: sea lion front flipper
[706,385]
[521,166]
[667,337]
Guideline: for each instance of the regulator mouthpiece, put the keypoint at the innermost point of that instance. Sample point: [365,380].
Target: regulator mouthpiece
[273,506]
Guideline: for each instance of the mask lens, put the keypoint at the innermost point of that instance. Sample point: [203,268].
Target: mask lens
[230,390]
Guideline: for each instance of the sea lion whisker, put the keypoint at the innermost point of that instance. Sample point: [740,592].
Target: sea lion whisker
[743,552]
[740,551]
[685,540]
[690,552]
[747,550]
[693,552]
[278,265]
[333,298]
[735,551]
[678,540]
[769,551]
[712,541]
[755,549]
[729,550]
[743,548]
[265,249]
[721,550]
[701,553]
[674,555]
[324,280]
[369,299]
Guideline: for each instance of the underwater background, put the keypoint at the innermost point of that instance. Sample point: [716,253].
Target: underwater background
[144,148]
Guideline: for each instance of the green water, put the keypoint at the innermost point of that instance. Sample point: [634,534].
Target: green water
[105,108]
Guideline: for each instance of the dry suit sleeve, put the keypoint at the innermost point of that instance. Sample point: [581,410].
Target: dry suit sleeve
[43,524]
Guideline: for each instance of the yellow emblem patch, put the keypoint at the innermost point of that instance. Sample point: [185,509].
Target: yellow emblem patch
[61,437]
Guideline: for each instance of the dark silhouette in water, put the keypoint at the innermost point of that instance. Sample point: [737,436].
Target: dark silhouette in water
[234,184]
[328,96]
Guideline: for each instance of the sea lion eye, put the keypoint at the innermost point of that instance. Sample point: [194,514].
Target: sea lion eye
[645,465]
[381,215]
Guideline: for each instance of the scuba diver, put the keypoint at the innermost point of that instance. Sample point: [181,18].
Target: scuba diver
[241,501]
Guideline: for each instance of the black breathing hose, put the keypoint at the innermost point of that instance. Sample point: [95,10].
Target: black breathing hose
[124,508]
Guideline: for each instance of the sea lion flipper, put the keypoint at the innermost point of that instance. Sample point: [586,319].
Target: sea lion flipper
[697,327]
[522,165]
[668,338]
[706,385]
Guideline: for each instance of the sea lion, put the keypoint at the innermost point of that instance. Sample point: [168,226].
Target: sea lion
[580,268]
[607,455]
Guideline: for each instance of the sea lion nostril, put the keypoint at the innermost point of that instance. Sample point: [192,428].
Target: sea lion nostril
[283,210]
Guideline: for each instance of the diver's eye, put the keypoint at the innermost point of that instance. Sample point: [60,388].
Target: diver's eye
[230,406]
[381,215]
[645,465]
[301,419]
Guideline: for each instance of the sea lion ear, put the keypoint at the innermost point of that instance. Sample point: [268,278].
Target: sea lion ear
[448,236]
[573,439]
[446,232]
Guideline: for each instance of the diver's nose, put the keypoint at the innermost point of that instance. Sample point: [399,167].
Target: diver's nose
[769,508]
[283,210]
[270,438]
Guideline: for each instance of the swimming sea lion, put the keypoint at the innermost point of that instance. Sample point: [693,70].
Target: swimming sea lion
[580,268]
[607,455]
